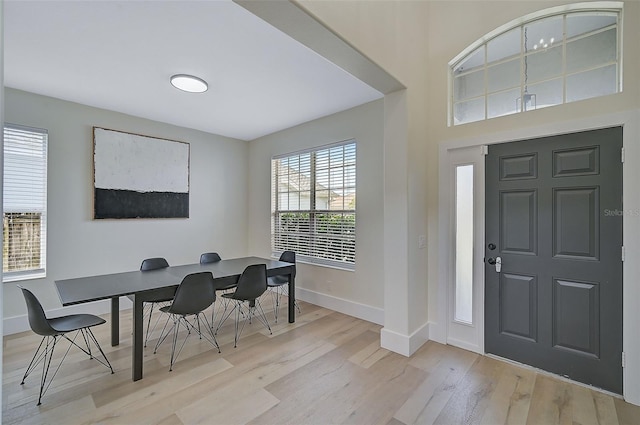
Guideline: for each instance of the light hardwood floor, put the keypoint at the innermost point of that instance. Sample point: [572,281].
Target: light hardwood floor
[327,368]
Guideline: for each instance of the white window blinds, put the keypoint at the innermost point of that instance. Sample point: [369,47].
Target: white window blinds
[25,203]
[314,205]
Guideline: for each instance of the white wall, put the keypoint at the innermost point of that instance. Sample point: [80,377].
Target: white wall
[78,245]
[358,293]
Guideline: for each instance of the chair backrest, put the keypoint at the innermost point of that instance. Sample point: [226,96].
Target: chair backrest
[153,264]
[209,257]
[37,318]
[288,256]
[252,282]
[195,293]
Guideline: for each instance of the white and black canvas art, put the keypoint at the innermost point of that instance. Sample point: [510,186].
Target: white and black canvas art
[138,176]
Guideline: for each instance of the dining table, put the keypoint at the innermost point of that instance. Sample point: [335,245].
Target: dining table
[146,285]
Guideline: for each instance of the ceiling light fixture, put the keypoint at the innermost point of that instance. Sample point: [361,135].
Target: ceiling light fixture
[189,83]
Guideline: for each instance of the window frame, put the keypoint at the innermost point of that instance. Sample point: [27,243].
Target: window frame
[315,248]
[41,200]
[610,7]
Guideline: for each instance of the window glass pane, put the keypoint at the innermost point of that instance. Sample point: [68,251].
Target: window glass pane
[283,200]
[350,177]
[591,51]
[464,244]
[469,85]
[305,200]
[582,23]
[322,199]
[322,179]
[473,60]
[504,75]
[335,179]
[294,199]
[548,93]
[543,64]
[543,33]
[598,82]
[472,110]
[503,103]
[504,46]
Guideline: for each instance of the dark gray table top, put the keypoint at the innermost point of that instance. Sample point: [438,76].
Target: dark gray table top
[93,288]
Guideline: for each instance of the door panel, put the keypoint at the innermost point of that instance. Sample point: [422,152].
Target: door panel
[519,227]
[577,316]
[576,224]
[518,306]
[556,303]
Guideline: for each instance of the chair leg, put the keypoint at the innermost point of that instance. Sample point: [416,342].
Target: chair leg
[262,317]
[183,321]
[95,341]
[275,297]
[44,355]
[35,360]
[45,368]
[175,341]
[223,317]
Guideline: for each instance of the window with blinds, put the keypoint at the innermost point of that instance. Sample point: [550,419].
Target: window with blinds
[24,227]
[314,205]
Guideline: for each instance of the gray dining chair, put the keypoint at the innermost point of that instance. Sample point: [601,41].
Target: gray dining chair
[279,285]
[52,330]
[195,294]
[251,285]
[148,264]
[214,257]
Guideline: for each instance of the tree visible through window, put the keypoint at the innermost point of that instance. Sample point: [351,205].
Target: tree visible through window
[548,58]
[25,203]
[314,204]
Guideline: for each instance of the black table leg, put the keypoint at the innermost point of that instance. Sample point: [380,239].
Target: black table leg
[115,321]
[292,297]
[137,339]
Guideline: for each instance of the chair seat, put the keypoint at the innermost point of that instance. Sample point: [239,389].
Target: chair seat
[74,322]
[277,281]
[156,299]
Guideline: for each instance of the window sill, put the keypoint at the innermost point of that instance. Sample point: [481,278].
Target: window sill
[17,276]
[319,263]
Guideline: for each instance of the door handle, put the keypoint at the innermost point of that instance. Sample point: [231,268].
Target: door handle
[497,262]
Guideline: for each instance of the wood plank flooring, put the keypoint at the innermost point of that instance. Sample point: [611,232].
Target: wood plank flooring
[327,368]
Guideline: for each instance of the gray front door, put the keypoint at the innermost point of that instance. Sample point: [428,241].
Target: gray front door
[554,231]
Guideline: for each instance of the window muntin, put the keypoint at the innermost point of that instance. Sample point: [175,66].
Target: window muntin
[314,205]
[549,59]
[24,203]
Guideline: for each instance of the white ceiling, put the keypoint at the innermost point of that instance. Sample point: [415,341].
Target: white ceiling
[119,55]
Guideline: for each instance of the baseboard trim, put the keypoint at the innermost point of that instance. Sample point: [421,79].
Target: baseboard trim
[404,344]
[351,308]
[17,324]
[464,345]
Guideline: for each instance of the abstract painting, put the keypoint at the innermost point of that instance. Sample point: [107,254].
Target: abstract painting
[139,176]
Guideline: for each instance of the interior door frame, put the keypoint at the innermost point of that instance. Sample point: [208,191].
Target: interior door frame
[630,121]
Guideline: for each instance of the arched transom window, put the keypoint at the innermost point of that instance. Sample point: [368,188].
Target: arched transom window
[555,56]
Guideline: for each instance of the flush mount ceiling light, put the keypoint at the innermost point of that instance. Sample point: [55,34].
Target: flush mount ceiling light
[189,83]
